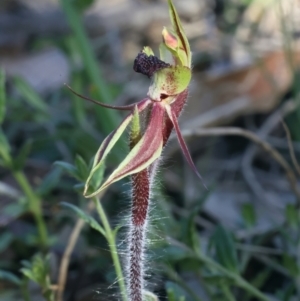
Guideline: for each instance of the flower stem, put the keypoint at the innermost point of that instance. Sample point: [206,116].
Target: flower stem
[110,236]
[34,206]
[138,224]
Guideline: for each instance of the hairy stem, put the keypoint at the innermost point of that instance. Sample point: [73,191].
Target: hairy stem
[138,224]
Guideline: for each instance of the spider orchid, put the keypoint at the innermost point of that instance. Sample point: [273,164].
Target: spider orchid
[165,100]
[152,121]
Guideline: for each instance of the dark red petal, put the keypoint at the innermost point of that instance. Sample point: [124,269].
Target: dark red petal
[152,139]
[182,143]
[176,106]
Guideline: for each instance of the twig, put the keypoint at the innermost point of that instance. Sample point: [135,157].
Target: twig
[280,143]
[291,148]
[234,131]
[249,155]
[63,269]
[296,165]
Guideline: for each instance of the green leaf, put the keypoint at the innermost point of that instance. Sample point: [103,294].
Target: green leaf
[26,264]
[29,274]
[79,187]
[30,95]
[4,147]
[82,168]
[2,95]
[225,249]
[50,181]
[8,276]
[14,210]
[38,270]
[97,178]
[191,233]
[87,218]
[68,168]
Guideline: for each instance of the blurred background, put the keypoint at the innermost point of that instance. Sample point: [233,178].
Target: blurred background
[241,125]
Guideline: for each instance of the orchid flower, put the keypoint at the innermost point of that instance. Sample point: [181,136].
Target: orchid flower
[152,121]
[164,102]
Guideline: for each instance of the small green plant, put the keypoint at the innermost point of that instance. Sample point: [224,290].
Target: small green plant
[38,270]
[16,164]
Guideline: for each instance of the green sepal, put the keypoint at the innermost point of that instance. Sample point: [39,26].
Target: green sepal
[135,133]
[172,44]
[183,48]
[104,150]
[148,51]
